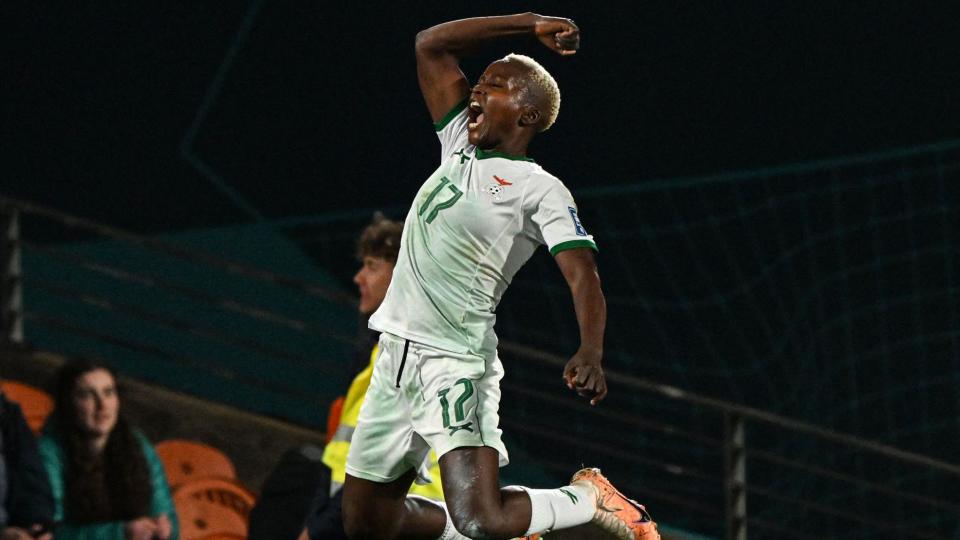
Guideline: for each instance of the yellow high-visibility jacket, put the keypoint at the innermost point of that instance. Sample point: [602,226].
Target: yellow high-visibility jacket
[335,453]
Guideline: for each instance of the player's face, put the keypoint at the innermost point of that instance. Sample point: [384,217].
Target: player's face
[96,403]
[495,104]
[372,279]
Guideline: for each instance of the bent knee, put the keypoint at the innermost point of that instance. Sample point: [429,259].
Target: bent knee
[480,526]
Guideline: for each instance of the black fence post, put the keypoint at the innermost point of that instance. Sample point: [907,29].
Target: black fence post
[11,291]
[735,476]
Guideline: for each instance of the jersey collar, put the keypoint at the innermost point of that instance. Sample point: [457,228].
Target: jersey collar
[483,154]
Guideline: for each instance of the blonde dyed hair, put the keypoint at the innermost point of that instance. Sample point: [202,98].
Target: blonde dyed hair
[542,82]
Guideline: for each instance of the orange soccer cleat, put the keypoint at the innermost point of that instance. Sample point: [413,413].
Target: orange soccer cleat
[624,518]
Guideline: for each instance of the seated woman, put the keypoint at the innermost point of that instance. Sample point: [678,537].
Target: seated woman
[107,481]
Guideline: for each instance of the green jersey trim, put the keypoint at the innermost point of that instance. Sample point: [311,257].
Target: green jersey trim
[483,154]
[451,115]
[572,244]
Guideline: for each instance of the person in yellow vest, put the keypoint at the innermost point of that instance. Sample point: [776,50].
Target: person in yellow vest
[377,252]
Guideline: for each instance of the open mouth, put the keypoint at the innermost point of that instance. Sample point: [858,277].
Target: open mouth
[474,114]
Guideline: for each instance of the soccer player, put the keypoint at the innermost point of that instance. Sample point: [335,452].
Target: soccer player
[475,221]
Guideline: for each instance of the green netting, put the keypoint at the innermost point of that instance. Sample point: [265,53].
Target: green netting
[826,292]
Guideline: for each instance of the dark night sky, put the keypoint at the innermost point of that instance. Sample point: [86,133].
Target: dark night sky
[315,109]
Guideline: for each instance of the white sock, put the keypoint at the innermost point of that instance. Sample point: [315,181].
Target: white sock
[561,508]
[449,531]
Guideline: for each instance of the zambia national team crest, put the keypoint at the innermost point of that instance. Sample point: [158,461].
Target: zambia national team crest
[497,190]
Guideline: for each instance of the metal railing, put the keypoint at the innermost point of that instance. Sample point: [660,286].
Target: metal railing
[730,451]
[11,288]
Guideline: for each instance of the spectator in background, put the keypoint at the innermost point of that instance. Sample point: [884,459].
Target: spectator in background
[108,483]
[26,505]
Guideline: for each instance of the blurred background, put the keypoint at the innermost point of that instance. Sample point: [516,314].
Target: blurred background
[774,189]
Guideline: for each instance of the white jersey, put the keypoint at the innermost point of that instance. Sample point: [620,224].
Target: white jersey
[473,224]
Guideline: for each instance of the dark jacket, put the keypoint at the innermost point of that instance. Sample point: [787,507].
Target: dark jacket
[29,499]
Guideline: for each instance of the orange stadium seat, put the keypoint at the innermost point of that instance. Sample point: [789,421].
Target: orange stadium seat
[36,403]
[185,461]
[213,508]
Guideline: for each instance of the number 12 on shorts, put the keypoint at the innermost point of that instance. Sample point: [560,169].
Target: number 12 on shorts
[444,183]
[458,411]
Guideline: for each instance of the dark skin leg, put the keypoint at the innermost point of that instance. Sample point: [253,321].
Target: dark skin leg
[479,507]
[376,511]
[471,484]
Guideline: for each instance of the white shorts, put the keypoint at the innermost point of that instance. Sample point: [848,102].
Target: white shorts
[422,398]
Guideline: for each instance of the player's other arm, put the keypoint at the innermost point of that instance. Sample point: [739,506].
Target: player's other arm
[583,372]
[440,48]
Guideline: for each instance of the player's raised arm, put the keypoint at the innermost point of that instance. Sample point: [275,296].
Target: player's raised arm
[440,48]
[583,372]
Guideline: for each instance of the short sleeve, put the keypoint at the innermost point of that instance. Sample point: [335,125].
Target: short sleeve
[452,130]
[557,223]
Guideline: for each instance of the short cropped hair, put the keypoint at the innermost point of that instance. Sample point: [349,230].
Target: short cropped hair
[381,238]
[544,83]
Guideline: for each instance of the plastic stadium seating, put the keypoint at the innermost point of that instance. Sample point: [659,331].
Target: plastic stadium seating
[186,461]
[36,403]
[211,508]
